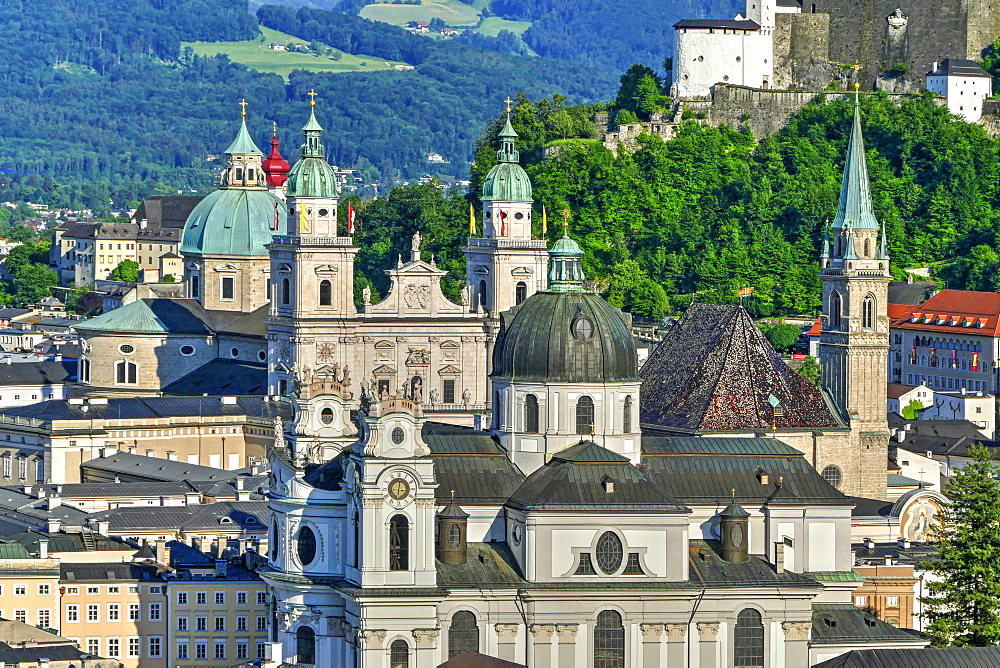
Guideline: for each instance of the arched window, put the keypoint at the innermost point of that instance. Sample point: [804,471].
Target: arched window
[868,312]
[520,292]
[274,541]
[609,641]
[463,634]
[399,654]
[531,414]
[584,415]
[627,415]
[84,370]
[867,247]
[483,297]
[357,540]
[835,310]
[748,639]
[286,291]
[399,543]
[305,645]
[125,372]
[325,293]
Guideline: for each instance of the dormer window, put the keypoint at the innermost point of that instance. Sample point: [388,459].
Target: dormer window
[608,484]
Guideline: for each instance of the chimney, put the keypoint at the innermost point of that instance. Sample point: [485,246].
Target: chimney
[58,357]
[192,499]
[131,449]
[172,455]
[903,542]
[479,422]
[239,484]
[221,568]
[54,502]
[43,548]
[869,543]
[934,67]
[150,452]
[888,561]
[219,547]
[779,557]
[103,526]
[53,525]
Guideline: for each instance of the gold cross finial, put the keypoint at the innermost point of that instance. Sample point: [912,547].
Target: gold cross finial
[243,111]
[274,125]
[312,98]
[508,101]
[565,213]
[453,496]
[733,490]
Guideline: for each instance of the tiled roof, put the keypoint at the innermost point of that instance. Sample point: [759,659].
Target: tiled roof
[836,623]
[248,515]
[959,67]
[222,377]
[101,572]
[155,468]
[933,657]
[71,542]
[896,390]
[816,327]
[147,408]
[487,565]
[37,373]
[953,312]
[906,293]
[715,445]
[167,211]
[715,371]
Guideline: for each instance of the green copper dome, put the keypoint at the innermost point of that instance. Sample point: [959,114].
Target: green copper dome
[233,221]
[312,175]
[507,181]
[565,334]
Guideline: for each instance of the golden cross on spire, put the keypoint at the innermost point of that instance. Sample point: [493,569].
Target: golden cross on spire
[453,496]
[565,213]
[733,490]
[243,111]
[508,101]
[274,125]
[312,98]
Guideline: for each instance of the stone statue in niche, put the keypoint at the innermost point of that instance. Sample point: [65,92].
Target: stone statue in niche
[366,294]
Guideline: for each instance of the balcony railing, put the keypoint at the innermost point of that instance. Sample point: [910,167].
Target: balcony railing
[507,243]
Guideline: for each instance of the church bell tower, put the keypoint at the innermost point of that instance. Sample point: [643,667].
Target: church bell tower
[854,340]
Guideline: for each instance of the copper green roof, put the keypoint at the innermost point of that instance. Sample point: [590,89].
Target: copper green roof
[243,144]
[312,175]
[855,207]
[13,550]
[507,181]
[233,221]
[150,316]
[537,342]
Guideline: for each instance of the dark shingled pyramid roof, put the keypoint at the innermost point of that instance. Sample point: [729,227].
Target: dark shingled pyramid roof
[715,371]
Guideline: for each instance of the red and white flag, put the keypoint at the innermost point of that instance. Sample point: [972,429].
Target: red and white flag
[503,223]
[275,216]
[350,218]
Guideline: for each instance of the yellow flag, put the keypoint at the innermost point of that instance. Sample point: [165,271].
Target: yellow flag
[472,221]
[302,218]
[545,222]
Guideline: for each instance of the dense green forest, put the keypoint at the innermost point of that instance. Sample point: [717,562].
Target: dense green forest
[100,102]
[712,211]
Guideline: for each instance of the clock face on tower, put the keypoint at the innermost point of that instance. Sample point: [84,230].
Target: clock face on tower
[399,489]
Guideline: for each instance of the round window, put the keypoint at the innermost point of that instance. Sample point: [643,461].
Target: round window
[398,435]
[583,329]
[235,352]
[187,351]
[518,215]
[323,212]
[609,552]
[515,534]
[454,536]
[262,356]
[291,209]
[326,416]
[126,349]
[833,475]
[305,546]
[738,59]
[488,215]
[701,59]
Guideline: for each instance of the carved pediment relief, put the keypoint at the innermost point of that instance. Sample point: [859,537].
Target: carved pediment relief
[225,267]
[326,270]
[383,370]
[521,272]
[449,370]
[285,268]
[482,271]
[417,296]
[417,357]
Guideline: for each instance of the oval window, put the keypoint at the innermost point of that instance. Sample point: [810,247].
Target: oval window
[305,546]
[187,351]
[126,349]
[262,356]
[609,552]
[398,435]
[736,535]
[326,416]
[518,215]
[291,209]
[323,212]
[583,329]
[235,352]
[832,475]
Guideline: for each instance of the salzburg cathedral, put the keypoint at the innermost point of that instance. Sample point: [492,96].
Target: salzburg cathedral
[498,475]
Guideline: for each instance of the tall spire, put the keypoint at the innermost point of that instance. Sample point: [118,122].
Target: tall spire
[883,247]
[855,207]
[312,148]
[508,149]
[243,144]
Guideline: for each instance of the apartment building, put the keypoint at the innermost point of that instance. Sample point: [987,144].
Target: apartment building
[29,586]
[218,607]
[115,610]
[86,252]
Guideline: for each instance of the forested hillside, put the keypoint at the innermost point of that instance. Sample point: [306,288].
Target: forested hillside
[711,212]
[100,94]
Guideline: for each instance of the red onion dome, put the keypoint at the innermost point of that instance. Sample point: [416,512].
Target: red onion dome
[275,166]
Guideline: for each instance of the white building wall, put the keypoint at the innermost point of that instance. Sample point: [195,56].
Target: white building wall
[964,95]
[706,57]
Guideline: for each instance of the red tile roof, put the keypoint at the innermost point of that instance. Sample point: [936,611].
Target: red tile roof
[817,326]
[951,311]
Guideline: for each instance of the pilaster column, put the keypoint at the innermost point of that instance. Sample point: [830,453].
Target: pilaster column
[507,640]
[651,634]
[340,630]
[796,643]
[675,643]
[371,643]
[708,646]
[542,644]
[567,644]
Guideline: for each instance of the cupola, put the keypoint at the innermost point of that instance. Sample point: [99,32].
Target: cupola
[734,523]
[452,524]
[275,166]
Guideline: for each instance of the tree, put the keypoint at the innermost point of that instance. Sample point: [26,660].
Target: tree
[782,336]
[912,410]
[168,278]
[127,271]
[811,370]
[32,283]
[963,604]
